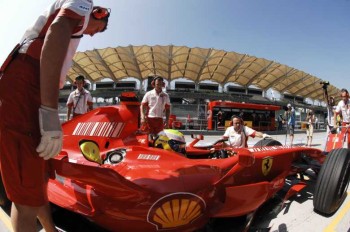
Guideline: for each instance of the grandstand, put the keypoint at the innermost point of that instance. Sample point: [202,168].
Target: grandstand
[195,76]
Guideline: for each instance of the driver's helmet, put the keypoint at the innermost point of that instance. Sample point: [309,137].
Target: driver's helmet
[171,140]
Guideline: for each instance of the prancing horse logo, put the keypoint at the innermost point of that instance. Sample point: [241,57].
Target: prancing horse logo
[266,165]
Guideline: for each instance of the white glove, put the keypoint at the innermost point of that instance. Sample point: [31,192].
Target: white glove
[265,136]
[51,133]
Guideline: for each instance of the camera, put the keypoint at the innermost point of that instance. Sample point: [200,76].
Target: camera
[324,84]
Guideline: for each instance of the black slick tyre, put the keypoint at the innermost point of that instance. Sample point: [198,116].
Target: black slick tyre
[267,142]
[332,182]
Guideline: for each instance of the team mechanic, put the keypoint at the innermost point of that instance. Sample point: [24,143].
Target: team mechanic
[30,130]
[153,105]
[80,100]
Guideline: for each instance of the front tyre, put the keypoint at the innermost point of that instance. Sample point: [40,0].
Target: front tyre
[332,181]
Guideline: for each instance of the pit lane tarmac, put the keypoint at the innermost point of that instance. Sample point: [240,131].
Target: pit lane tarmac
[294,215]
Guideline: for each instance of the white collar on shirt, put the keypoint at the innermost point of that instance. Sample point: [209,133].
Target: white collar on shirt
[79,92]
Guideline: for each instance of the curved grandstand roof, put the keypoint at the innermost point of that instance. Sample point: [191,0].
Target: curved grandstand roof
[196,64]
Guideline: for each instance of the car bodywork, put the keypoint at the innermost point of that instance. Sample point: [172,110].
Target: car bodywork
[133,186]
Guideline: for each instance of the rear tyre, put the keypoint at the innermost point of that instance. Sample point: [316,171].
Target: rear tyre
[332,182]
[267,142]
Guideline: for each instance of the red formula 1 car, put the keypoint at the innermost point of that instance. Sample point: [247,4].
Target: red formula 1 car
[112,174]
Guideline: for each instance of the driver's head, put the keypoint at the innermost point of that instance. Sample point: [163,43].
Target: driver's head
[171,140]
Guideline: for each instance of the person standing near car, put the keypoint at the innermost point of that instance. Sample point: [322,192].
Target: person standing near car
[280,122]
[343,108]
[289,116]
[219,118]
[330,114]
[80,100]
[238,133]
[30,129]
[310,120]
[153,105]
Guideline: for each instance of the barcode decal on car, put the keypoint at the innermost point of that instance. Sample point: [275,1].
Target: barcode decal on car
[148,157]
[100,129]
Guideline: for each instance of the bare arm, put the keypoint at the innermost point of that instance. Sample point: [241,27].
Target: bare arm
[259,134]
[52,56]
[91,107]
[69,111]
[143,112]
[167,114]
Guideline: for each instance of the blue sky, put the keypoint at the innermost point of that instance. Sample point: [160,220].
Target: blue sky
[312,36]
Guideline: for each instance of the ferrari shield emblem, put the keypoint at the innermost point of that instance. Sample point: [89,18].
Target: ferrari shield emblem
[266,165]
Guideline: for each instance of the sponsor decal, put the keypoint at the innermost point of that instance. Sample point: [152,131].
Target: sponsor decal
[84,8]
[142,141]
[272,148]
[100,129]
[176,210]
[266,165]
[148,157]
[257,149]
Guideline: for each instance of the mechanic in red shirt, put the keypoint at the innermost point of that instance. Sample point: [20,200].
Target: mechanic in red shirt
[153,105]
[30,129]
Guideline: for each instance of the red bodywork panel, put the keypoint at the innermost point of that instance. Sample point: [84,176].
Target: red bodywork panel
[340,139]
[150,189]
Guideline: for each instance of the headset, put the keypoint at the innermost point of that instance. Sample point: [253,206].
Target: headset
[100,13]
[79,78]
[153,83]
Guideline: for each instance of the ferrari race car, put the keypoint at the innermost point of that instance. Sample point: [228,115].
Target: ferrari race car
[116,176]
